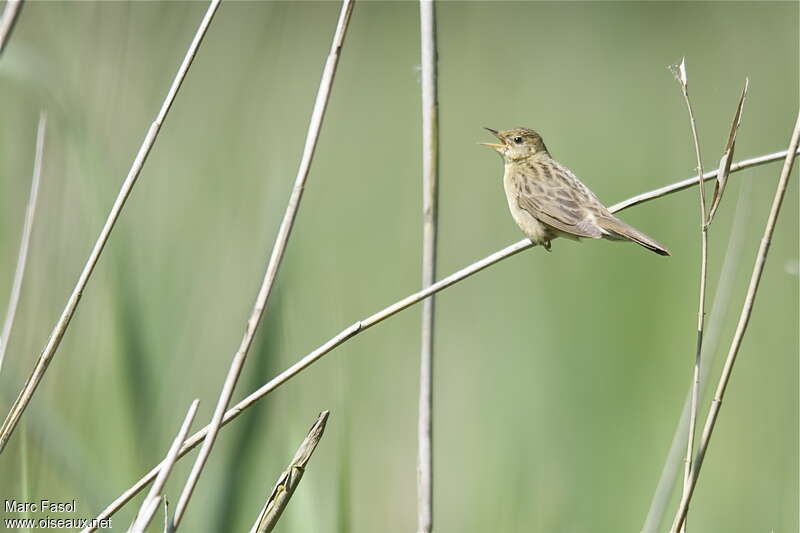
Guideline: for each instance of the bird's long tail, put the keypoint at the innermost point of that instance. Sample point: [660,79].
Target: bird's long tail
[617,229]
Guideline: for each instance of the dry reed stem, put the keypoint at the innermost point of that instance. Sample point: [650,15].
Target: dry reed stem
[150,503]
[741,327]
[680,75]
[722,296]
[27,227]
[430,178]
[146,513]
[393,309]
[8,20]
[290,478]
[237,363]
[25,395]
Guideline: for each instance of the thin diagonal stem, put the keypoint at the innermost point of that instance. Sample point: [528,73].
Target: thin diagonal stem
[7,21]
[237,363]
[691,182]
[356,328]
[27,227]
[430,170]
[701,311]
[741,327]
[150,503]
[60,328]
[147,511]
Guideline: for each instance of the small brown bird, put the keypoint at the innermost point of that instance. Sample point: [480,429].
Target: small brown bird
[548,201]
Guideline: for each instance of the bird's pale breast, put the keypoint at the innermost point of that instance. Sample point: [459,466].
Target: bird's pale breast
[532,228]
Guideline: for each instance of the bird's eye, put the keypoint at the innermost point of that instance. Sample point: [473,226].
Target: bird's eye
[517,140]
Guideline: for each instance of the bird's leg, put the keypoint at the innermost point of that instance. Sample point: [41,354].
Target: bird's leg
[546,244]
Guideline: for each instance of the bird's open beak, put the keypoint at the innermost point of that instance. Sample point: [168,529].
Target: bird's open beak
[496,147]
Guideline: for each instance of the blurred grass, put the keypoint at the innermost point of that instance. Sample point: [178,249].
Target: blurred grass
[559,377]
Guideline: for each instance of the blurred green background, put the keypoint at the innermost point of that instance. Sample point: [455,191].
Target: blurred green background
[559,377]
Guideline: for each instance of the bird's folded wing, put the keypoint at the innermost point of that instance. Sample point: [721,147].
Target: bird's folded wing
[562,212]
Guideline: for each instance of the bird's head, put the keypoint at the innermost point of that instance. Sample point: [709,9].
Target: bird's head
[517,144]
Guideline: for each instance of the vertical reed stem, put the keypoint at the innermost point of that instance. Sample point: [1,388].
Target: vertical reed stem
[741,328]
[430,170]
[682,78]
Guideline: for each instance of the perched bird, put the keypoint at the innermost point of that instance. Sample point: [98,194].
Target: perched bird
[548,201]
